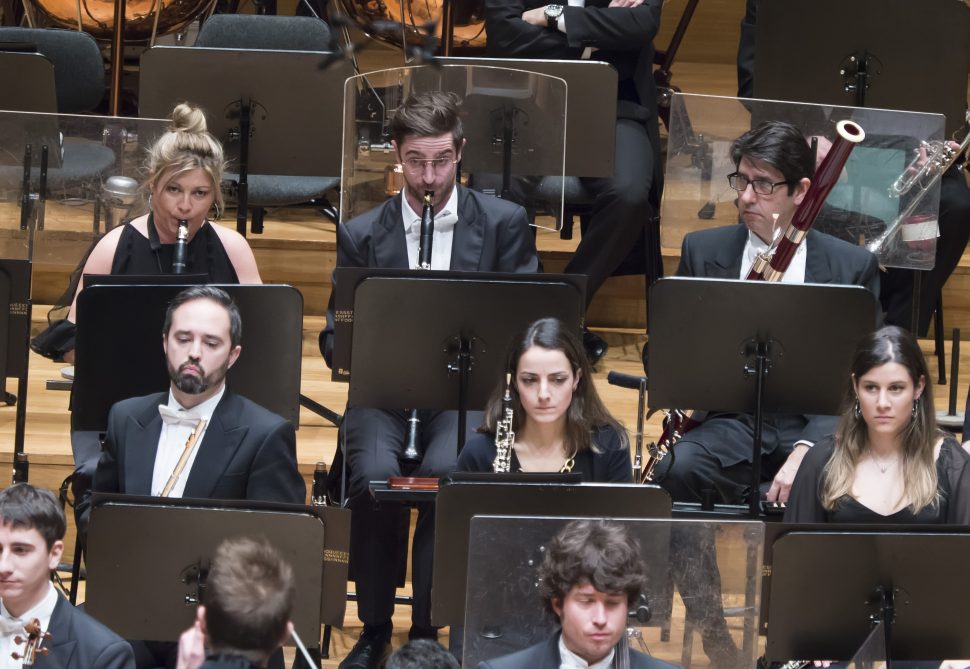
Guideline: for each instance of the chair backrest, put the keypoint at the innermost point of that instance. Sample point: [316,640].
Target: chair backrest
[253,31]
[78,64]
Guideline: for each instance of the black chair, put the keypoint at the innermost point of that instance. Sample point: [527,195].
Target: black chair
[280,33]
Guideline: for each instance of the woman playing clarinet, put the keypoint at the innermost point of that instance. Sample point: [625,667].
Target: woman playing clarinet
[184,173]
[558,422]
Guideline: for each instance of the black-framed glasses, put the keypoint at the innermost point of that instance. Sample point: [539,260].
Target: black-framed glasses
[739,182]
[418,166]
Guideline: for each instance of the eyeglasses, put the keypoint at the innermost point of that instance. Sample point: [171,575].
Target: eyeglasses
[739,182]
[418,166]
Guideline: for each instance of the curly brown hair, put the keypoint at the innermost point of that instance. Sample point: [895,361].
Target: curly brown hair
[598,552]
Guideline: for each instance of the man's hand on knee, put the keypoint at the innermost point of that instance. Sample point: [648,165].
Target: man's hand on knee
[781,485]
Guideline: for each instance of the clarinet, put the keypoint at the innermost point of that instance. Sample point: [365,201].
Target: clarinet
[412,446]
[504,434]
[181,244]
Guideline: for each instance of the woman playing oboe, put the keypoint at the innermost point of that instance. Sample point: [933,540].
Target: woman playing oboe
[887,461]
[184,173]
[558,421]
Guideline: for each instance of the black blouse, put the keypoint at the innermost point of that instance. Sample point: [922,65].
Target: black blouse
[205,254]
[953,483]
[608,463]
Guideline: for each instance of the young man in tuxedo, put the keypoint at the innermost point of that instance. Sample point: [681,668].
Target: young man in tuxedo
[590,577]
[32,529]
[473,232]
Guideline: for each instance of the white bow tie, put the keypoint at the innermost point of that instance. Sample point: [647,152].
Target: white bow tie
[181,417]
[443,221]
[11,626]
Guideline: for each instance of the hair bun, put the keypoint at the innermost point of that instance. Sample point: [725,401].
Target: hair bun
[188,118]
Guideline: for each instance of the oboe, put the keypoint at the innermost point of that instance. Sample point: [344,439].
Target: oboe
[412,445]
[181,244]
[504,434]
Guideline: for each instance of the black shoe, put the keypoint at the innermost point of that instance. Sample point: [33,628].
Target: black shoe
[595,346]
[371,649]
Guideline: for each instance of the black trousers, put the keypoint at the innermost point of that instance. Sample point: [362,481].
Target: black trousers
[374,441]
[621,210]
[717,456]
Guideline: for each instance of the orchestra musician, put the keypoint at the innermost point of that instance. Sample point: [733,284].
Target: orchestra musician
[472,232]
[896,291]
[773,169]
[559,422]
[244,619]
[620,32]
[184,169]
[590,577]
[198,439]
[774,166]
[32,527]
[887,461]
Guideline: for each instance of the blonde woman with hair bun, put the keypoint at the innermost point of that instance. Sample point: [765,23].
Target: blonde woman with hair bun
[183,176]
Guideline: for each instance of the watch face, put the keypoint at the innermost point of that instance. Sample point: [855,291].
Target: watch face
[553,11]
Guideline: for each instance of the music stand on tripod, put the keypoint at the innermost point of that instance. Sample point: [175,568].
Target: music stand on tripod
[829,585]
[456,327]
[177,552]
[753,347]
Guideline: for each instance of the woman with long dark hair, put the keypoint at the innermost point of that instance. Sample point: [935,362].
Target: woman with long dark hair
[887,461]
[559,421]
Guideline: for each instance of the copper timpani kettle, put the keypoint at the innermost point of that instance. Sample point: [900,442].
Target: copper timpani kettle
[142,17]
[468,17]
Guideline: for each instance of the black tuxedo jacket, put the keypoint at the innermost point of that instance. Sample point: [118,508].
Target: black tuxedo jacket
[545,655]
[492,235]
[78,641]
[716,253]
[247,452]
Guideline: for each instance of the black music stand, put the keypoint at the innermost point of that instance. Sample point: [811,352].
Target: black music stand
[828,586]
[869,57]
[457,503]
[184,535]
[455,326]
[119,348]
[274,111]
[590,112]
[754,347]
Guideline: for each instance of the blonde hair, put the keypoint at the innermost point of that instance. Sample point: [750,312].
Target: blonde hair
[187,145]
[919,437]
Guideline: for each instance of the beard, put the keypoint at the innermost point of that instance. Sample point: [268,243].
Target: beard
[196,384]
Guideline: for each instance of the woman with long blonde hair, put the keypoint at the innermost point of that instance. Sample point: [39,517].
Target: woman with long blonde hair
[887,462]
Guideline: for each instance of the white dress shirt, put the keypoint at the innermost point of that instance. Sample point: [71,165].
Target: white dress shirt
[11,627]
[444,231]
[172,440]
[570,660]
[796,270]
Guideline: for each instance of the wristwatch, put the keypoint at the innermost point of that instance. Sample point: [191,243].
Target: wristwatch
[553,12]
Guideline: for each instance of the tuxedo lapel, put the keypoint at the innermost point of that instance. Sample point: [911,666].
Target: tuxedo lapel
[466,245]
[142,431]
[389,243]
[817,267]
[62,643]
[726,263]
[219,444]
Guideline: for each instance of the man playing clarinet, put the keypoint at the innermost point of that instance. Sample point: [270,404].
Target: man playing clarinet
[472,232]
